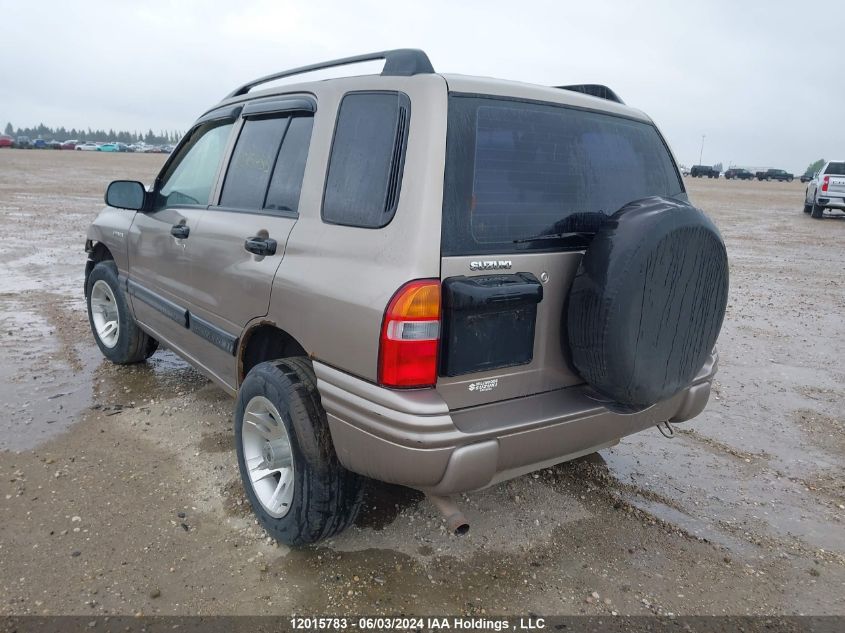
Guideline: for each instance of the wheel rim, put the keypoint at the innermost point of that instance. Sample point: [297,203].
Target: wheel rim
[104,313]
[268,456]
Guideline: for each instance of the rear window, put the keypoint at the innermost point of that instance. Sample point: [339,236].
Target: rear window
[835,168]
[516,170]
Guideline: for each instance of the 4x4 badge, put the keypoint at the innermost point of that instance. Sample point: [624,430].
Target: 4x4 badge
[491,264]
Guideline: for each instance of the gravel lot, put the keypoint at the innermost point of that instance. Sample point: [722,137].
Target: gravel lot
[119,491]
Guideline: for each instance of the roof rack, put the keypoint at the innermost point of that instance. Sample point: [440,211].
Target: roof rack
[402,62]
[595,90]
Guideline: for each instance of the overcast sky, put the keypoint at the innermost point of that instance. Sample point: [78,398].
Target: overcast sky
[754,77]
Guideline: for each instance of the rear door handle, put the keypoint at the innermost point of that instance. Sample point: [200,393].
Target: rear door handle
[260,245]
[180,231]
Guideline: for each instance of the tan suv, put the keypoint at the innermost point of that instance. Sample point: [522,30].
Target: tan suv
[434,280]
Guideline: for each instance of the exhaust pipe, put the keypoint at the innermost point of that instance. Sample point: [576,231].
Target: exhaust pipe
[456,522]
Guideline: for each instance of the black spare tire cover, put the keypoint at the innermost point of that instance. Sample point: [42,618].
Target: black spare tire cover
[647,303]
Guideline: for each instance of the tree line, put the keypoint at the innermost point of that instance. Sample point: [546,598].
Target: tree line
[62,134]
[812,168]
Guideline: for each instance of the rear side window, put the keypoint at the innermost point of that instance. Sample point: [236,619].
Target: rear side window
[516,170]
[835,168]
[368,154]
[268,164]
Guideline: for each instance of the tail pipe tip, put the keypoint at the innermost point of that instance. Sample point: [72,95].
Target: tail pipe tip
[456,522]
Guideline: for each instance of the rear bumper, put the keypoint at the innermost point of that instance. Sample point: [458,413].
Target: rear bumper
[411,438]
[831,202]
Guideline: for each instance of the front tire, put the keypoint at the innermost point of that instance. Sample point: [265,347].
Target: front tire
[298,489]
[808,208]
[118,336]
[817,212]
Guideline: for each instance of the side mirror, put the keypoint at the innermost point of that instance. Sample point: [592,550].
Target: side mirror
[126,194]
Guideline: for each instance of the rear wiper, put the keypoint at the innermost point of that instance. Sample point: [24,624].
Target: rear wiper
[556,236]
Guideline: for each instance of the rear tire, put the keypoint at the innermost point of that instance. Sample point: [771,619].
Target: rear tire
[302,494]
[115,331]
[817,212]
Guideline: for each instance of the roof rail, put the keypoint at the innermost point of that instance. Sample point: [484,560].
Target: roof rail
[595,90]
[402,62]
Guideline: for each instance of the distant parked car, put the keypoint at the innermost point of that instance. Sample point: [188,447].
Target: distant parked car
[53,144]
[775,174]
[807,177]
[6,141]
[69,144]
[826,190]
[87,146]
[40,143]
[23,142]
[703,171]
[739,173]
[109,147]
[684,170]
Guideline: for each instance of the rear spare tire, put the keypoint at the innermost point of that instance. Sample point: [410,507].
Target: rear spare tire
[647,303]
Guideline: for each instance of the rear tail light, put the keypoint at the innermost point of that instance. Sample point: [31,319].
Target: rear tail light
[409,336]
[825,183]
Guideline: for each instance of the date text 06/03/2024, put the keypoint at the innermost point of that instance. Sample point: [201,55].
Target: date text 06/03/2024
[416,623]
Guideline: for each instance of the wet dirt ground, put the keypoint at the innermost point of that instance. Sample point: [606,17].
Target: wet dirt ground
[119,491]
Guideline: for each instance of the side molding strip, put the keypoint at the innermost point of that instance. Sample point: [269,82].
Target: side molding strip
[166,307]
[213,334]
[202,328]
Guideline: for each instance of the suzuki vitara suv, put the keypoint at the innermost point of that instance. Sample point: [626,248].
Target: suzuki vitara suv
[433,280]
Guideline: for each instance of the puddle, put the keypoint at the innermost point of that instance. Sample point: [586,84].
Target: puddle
[54,372]
[383,503]
[720,497]
[43,386]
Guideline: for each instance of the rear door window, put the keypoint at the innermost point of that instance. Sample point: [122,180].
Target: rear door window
[515,170]
[286,181]
[268,164]
[368,153]
[252,161]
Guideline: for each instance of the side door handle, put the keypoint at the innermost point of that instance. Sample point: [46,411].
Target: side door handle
[180,230]
[260,245]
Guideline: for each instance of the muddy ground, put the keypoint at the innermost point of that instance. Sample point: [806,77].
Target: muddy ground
[119,491]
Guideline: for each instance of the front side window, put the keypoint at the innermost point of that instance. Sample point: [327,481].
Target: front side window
[516,170]
[189,178]
[368,153]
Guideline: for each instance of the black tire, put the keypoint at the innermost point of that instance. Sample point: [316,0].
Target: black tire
[817,212]
[808,208]
[326,497]
[648,301]
[133,344]
[789,179]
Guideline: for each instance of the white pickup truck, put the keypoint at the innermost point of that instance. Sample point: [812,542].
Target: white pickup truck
[826,190]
